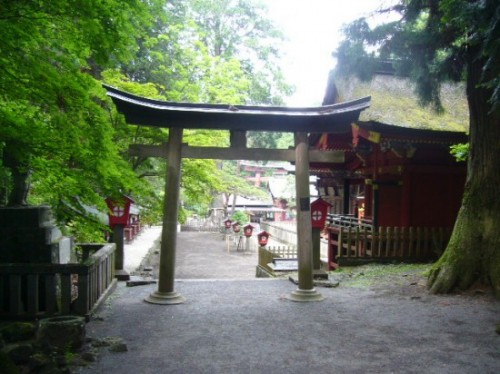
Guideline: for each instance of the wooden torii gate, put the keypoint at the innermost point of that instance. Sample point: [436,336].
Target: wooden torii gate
[238,120]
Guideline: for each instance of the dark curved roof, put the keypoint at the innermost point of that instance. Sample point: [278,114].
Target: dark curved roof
[148,112]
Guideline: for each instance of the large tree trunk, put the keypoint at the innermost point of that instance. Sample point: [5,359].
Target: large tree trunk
[473,253]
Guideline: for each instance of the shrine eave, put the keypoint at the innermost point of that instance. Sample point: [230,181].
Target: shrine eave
[148,112]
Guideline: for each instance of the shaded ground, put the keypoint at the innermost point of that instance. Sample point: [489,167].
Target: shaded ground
[249,326]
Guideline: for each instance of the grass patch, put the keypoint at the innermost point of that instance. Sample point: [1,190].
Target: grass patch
[380,274]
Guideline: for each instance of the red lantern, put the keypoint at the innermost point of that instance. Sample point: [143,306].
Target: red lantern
[236,227]
[319,211]
[263,237]
[247,230]
[228,223]
[119,211]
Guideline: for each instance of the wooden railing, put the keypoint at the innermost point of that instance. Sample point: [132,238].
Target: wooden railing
[283,251]
[268,254]
[341,220]
[29,291]
[386,243]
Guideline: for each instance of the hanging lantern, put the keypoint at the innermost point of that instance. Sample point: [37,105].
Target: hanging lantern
[247,230]
[236,227]
[263,237]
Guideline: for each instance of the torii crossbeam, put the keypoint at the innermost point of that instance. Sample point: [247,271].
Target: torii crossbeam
[238,120]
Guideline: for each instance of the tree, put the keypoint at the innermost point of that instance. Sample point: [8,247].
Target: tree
[54,115]
[240,29]
[432,42]
[212,52]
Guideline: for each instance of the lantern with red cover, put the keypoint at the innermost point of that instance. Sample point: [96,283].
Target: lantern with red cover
[263,237]
[228,223]
[319,211]
[236,227]
[119,210]
[247,230]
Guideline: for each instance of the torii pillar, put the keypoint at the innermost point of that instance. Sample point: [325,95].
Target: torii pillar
[306,290]
[165,293]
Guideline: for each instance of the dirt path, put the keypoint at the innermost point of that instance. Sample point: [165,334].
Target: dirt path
[202,255]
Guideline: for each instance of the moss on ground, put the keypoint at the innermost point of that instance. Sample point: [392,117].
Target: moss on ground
[365,276]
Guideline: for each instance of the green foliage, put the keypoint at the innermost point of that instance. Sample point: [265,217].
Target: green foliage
[54,115]
[232,183]
[57,123]
[240,217]
[460,151]
[431,42]
[213,52]
[84,228]
[205,51]
[435,42]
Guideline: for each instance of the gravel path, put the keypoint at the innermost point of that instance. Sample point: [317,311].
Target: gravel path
[247,325]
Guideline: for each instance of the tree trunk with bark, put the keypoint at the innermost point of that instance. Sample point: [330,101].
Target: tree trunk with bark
[473,253]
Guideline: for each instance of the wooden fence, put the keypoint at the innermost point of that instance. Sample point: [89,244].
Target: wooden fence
[386,243]
[30,291]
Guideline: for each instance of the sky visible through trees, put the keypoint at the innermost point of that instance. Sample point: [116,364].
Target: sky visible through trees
[312,32]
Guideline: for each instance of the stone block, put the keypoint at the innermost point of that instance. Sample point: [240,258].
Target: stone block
[63,333]
[28,235]
[65,250]
[32,216]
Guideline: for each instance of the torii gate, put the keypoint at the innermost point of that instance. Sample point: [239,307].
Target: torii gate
[178,116]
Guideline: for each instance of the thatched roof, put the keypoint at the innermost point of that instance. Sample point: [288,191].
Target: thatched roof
[394,102]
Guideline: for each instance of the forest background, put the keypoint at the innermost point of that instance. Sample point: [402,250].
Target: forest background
[61,133]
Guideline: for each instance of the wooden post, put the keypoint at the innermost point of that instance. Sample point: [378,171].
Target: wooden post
[166,294]
[347,197]
[316,248]
[375,206]
[306,290]
[120,273]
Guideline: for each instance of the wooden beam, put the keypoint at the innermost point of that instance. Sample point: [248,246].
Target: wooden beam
[236,153]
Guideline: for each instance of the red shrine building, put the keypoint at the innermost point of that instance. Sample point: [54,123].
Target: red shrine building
[393,176]
[395,191]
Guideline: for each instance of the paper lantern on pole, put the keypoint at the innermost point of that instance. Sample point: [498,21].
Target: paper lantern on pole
[228,223]
[319,211]
[119,210]
[263,238]
[236,227]
[247,230]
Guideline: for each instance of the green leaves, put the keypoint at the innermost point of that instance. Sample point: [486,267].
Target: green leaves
[432,42]
[54,115]
[56,121]
[460,151]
